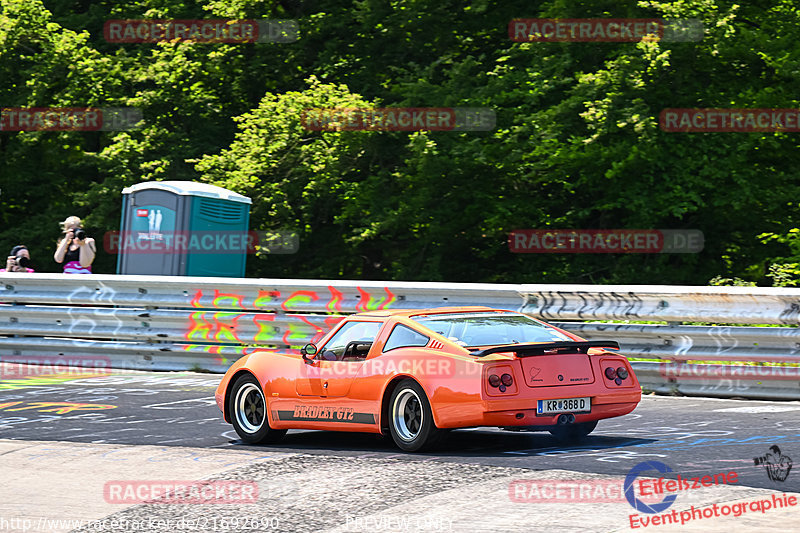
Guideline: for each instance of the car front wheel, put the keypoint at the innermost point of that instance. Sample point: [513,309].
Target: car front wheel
[411,419]
[248,409]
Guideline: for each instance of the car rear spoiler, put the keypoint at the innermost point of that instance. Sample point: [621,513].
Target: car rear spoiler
[529,350]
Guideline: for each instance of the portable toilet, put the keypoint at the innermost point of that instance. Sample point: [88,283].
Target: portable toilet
[182,228]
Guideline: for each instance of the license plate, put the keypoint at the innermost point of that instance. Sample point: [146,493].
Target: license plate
[564,405]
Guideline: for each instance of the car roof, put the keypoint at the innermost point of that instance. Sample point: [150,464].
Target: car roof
[431,311]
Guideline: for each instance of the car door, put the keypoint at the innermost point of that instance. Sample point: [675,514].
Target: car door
[336,364]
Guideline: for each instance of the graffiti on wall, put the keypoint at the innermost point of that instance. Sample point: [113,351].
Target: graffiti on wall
[333,300]
[223,323]
[283,327]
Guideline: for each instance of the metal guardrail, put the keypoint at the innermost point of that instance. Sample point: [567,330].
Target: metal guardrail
[720,381]
[687,343]
[287,295]
[726,305]
[178,323]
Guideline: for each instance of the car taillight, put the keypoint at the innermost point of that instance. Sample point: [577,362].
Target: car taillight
[500,380]
[617,375]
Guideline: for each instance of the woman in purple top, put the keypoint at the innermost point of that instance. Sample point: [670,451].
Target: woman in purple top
[19,260]
[76,251]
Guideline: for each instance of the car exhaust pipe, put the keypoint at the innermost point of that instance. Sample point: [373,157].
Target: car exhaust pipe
[563,420]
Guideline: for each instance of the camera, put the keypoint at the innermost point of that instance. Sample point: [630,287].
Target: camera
[774,453]
[80,234]
[18,261]
[777,465]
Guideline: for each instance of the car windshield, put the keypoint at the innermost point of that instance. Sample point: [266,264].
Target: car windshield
[489,329]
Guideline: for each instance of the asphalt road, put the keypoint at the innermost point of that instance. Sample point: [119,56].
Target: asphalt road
[693,436]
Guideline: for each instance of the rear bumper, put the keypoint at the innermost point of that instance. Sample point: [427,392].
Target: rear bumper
[515,411]
[528,416]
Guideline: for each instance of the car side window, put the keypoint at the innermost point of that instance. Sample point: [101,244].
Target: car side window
[403,336]
[352,342]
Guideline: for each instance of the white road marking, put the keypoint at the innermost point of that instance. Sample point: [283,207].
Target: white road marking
[759,409]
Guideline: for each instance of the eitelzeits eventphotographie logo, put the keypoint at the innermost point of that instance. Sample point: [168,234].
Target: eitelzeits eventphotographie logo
[775,463]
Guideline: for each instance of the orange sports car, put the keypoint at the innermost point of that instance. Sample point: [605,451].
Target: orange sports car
[414,374]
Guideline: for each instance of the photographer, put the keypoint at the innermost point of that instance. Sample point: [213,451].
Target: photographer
[19,260]
[76,251]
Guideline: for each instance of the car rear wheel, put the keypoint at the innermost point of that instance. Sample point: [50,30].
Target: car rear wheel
[573,432]
[411,419]
[248,410]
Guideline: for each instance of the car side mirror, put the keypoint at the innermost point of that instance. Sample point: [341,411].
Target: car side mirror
[308,349]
